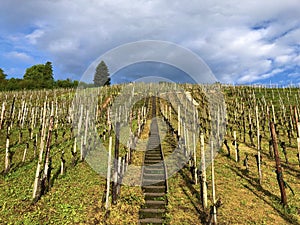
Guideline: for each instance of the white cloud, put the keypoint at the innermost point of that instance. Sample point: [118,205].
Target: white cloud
[282,59]
[21,56]
[297,60]
[63,45]
[240,41]
[34,36]
[294,75]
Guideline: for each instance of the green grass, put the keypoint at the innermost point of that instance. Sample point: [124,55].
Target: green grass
[77,196]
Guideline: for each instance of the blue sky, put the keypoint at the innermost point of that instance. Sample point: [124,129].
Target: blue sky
[151,69]
[252,41]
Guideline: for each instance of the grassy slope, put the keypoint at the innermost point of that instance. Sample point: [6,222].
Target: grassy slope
[244,201]
[76,197]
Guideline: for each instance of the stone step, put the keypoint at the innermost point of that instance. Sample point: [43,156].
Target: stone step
[157,170]
[154,143]
[154,166]
[152,161]
[155,204]
[150,182]
[147,157]
[154,196]
[154,184]
[155,188]
[151,176]
[153,152]
[148,221]
[153,147]
[152,213]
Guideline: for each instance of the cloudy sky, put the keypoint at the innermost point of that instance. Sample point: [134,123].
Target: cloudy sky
[250,41]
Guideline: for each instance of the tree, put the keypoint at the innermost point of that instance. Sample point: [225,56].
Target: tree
[101,76]
[68,83]
[2,75]
[48,72]
[3,81]
[42,74]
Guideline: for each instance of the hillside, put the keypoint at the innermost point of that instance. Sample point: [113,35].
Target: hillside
[77,194]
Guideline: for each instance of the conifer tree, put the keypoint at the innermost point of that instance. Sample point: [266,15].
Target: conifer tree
[101,76]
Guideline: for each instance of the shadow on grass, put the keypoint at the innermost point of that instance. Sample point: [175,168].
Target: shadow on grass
[16,166]
[187,181]
[287,166]
[257,188]
[54,177]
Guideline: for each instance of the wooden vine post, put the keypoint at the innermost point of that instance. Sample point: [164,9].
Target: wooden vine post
[179,130]
[298,141]
[139,122]
[250,129]
[2,114]
[195,149]
[7,153]
[235,146]
[116,166]
[47,165]
[258,146]
[7,150]
[25,152]
[244,123]
[273,112]
[40,160]
[108,174]
[203,173]
[278,165]
[62,163]
[130,138]
[214,209]
[195,159]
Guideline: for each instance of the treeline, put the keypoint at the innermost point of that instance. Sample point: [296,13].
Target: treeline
[21,84]
[39,76]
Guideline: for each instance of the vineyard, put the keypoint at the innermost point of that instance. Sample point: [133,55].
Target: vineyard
[150,154]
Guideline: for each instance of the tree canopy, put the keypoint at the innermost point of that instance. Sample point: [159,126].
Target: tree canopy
[101,76]
[2,75]
[36,77]
[3,81]
[41,74]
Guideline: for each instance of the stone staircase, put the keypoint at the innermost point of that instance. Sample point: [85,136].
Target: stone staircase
[154,184]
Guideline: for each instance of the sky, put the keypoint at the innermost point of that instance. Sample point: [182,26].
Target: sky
[242,42]
[151,70]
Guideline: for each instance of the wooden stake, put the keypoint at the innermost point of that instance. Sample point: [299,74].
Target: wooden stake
[25,152]
[213,184]
[116,159]
[80,121]
[62,163]
[203,173]
[235,146]
[274,117]
[7,150]
[195,159]
[184,141]
[75,145]
[278,166]
[7,156]
[179,118]
[86,128]
[81,149]
[298,142]
[108,173]
[48,146]
[2,114]
[258,146]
